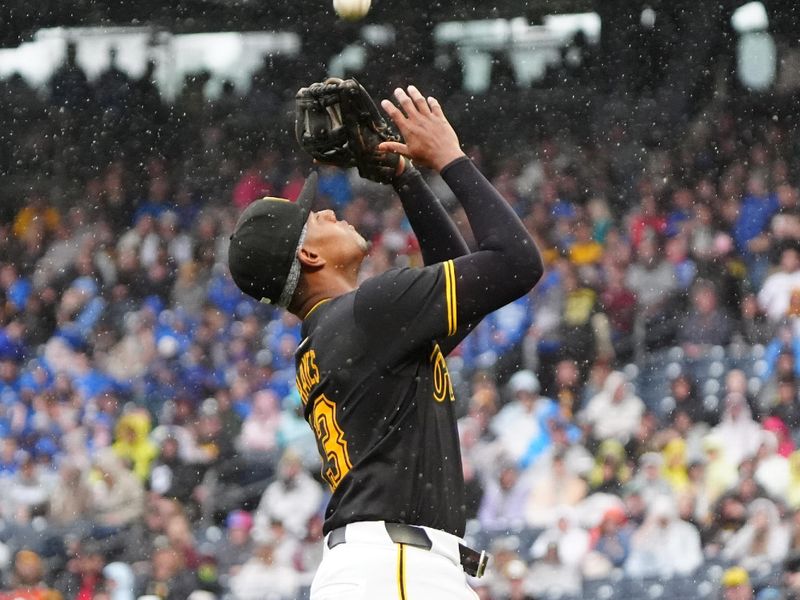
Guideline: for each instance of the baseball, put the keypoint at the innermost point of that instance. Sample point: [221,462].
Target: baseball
[351,10]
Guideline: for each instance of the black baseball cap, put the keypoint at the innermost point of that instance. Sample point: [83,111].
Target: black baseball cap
[263,251]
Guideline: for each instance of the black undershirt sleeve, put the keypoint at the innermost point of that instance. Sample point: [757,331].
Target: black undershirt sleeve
[507,263]
[439,238]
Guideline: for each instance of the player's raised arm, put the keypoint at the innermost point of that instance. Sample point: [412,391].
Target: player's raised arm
[338,123]
[439,238]
[508,264]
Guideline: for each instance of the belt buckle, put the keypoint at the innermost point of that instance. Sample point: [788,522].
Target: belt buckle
[482,562]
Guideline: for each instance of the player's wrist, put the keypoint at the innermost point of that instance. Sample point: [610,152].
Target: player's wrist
[447,158]
[408,170]
[402,165]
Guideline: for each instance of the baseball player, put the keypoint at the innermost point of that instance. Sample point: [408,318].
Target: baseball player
[371,364]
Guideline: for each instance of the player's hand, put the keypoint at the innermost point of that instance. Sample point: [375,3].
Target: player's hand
[430,140]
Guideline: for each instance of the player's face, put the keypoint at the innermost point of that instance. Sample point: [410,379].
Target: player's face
[337,241]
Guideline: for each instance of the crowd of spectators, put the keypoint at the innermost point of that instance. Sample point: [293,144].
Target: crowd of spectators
[152,441]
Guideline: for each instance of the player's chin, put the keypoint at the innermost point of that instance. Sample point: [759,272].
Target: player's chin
[363,244]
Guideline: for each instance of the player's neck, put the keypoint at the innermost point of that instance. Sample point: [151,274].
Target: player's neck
[321,289]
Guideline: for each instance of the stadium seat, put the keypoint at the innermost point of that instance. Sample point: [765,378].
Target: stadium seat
[598,589]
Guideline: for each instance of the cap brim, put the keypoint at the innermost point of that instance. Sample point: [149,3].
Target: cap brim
[308,194]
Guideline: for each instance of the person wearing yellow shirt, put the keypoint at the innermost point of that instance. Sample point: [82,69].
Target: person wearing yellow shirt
[793,493]
[36,209]
[133,444]
[585,250]
[675,468]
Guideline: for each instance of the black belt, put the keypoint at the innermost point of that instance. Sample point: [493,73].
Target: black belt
[472,561]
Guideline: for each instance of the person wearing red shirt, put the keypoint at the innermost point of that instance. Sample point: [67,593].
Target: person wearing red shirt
[647,221]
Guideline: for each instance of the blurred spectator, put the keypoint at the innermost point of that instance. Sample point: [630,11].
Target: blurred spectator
[739,435]
[619,303]
[585,251]
[737,384]
[772,469]
[261,578]
[333,187]
[260,428]
[294,432]
[676,250]
[132,444]
[83,576]
[648,222]
[69,87]
[556,487]
[168,578]
[503,503]
[616,411]
[785,225]
[519,423]
[71,499]
[237,547]
[736,584]
[654,282]
[153,205]
[28,579]
[675,470]
[27,493]
[610,471]
[309,553]
[254,182]
[171,476]
[36,210]
[793,491]
[515,573]
[113,86]
[728,515]
[791,576]
[496,342]
[720,472]
[291,499]
[650,481]
[567,387]
[584,333]
[395,234]
[785,444]
[189,292]
[754,325]
[611,539]
[570,539]
[479,451]
[118,496]
[775,295]
[549,576]
[706,324]
[763,539]
[142,537]
[180,537]
[684,394]
[779,394]
[664,545]
[119,581]
[751,227]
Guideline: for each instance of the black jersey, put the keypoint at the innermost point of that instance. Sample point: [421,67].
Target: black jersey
[378,396]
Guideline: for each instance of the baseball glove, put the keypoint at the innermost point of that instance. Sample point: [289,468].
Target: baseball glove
[338,123]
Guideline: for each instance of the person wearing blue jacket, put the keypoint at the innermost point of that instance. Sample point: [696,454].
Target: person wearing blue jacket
[750,230]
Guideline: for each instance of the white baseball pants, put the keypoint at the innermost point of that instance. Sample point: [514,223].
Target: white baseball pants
[370,566]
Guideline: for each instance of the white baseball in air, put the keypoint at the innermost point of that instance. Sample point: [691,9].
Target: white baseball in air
[351,10]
